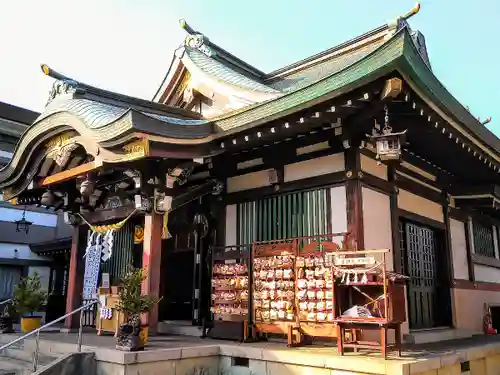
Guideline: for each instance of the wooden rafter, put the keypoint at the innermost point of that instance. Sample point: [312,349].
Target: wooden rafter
[70,173]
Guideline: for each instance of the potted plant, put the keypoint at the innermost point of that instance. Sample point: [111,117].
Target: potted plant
[132,303]
[27,300]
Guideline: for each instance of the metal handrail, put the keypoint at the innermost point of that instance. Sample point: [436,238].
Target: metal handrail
[38,330]
[6,301]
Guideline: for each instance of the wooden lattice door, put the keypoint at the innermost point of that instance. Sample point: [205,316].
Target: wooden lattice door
[428,294]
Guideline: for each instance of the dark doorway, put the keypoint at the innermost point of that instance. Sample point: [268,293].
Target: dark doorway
[424,261]
[178,258]
[178,286]
[58,286]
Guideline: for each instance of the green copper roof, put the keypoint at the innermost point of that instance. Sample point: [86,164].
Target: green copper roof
[372,66]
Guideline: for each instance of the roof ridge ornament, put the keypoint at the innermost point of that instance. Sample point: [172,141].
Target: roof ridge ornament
[196,40]
[62,86]
[402,21]
[412,12]
[417,37]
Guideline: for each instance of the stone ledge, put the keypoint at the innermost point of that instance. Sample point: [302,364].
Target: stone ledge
[321,358]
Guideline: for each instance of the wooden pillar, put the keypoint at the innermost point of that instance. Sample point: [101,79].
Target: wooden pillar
[151,261]
[396,237]
[75,276]
[354,198]
[447,239]
[448,261]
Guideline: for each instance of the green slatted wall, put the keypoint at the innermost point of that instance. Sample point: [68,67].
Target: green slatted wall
[291,215]
[123,252]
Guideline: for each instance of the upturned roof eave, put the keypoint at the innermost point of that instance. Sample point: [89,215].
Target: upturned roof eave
[421,78]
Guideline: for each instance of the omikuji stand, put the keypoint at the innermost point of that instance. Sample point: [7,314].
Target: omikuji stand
[369,299]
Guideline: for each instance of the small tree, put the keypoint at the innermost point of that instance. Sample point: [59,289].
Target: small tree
[28,297]
[132,303]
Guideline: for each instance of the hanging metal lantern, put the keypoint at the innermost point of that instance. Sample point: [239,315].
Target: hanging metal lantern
[23,225]
[387,143]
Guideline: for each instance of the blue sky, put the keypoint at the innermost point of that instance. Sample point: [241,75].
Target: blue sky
[126,45]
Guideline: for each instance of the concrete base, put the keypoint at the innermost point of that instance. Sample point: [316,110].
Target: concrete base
[184,356]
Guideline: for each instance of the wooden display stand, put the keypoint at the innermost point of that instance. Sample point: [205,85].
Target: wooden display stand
[273,263]
[112,323]
[230,318]
[365,278]
[316,305]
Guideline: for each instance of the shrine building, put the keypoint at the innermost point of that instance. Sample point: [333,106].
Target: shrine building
[361,139]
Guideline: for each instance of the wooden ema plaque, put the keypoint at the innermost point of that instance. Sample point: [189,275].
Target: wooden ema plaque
[273,287]
[293,291]
[230,293]
[315,292]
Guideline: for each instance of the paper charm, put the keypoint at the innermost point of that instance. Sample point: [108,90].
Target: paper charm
[364,280]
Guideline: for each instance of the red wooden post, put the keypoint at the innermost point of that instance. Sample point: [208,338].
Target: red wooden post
[75,277]
[151,261]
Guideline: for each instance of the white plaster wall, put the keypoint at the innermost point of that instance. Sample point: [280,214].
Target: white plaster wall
[338,211]
[371,166]
[377,223]
[314,167]
[459,249]
[486,274]
[7,251]
[231,225]
[248,181]
[421,206]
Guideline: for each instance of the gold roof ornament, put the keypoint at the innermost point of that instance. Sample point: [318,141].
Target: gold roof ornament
[412,12]
[196,40]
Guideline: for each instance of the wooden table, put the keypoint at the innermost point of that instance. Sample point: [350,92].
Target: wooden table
[110,325]
[368,325]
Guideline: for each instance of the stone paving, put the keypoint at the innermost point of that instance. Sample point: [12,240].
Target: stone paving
[410,351]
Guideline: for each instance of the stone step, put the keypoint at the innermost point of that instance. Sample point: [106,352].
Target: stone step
[26,355]
[174,328]
[12,366]
[435,335]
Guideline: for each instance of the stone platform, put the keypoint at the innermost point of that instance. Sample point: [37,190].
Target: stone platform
[180,355]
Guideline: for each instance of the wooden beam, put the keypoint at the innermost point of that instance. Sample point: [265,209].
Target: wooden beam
[331,179]
[70,173]
[354,197]
[392,88]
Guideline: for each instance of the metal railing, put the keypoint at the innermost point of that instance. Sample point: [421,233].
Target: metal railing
[6,301]
[38,330]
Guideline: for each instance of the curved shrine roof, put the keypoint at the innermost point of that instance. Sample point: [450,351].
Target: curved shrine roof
[108,117]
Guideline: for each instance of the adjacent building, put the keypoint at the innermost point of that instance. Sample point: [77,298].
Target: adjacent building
[45,247]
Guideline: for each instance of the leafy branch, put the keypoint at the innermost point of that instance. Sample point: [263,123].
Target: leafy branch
[132,302]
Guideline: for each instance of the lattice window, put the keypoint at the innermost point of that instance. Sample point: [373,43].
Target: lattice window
[483,240]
